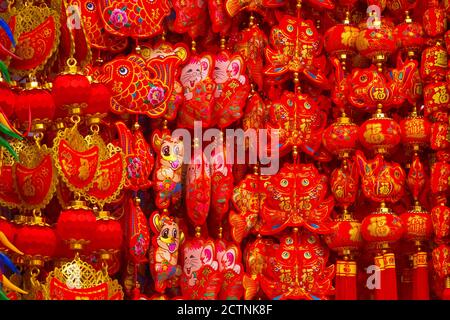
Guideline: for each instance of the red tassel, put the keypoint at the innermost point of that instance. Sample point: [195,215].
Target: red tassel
[345,280]
[421,288]
[389,277]
[406,284]
[379,292]
[446,292]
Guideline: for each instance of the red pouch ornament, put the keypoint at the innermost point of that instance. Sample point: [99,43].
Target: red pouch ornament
[138,233]
[220,20]
[201,279]
[434,19]
[299,123]
[433,66]
[167,174]
[232,88]
[247,198]
[221,185]
[438,139]
[296,47]
[139,86]
[344,183]
[298,255]
[440,175]
[38,30]
[77,162]
[250,45]
[190,17]
[139,159]
[163,254]
[198,188]
[296,197]
[435,98]
[35,176]
[381,181]
[137,19]
[198,85]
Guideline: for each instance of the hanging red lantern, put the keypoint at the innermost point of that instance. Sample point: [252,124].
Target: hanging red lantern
[410,36]
[376,43]
[440,217]
[340,40]
[383,228]
[7,99]
[435,98]
[76,225]
[346,235]
[417,223]
[441,264]
[415,130]
[37,240]
[341,137]
[99,100]
[107,237]
[380,134]
[36,104]
[433,66]
[434,19]
[71,89]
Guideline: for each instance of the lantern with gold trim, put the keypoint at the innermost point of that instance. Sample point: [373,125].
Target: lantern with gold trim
[380,133]
[76,225]
[441,264]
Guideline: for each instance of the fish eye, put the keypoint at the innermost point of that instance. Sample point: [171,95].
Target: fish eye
[123,71]
[90,6]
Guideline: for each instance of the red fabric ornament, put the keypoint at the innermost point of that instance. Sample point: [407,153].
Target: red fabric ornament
[380,134]
[76,225]
[36,239]
[341,137]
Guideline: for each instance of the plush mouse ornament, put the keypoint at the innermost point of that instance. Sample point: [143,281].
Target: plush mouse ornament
[232,88]
[198,87]
[201,278]
[163,254]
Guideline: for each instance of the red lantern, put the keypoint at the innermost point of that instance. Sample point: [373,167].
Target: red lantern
[340,40]
[433,66]
[410,36]
[99,100]
[382,228]
[434,19]
[346,235]
[76,225]
[441,264]
[417,222]
[380,134]
[37,240]
[341,137]
[376,43]
[440,217]
[71,90]
[415,130]
[7,100]
[37,103]
[436,98]
[107,235]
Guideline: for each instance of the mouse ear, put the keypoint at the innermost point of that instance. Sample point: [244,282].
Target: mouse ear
[208,254]
[231,256]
